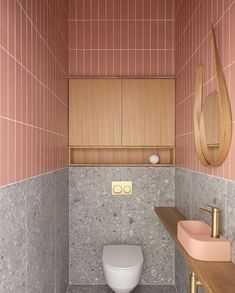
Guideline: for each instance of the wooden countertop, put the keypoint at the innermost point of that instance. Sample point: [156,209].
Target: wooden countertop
[216,277]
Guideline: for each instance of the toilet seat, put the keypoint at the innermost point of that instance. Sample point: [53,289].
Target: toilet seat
[122,257]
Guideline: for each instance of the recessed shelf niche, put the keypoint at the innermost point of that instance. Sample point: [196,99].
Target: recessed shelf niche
[120,156]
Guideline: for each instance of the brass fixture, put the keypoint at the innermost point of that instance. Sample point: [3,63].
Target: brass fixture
[194,283]
[121,187]
[215,213]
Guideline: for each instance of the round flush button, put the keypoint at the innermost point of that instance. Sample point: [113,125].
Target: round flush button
[127,189]
[117,189]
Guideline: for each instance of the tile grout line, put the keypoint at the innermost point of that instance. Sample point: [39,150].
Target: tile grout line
[128,19]
[204,84]
[190,20]
[56,22]
[122,49]
[202,42]
[35,176]
[33,126]
[42,38]
[32,75]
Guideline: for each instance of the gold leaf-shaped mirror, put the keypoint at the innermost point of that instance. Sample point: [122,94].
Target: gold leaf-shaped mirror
[212,120]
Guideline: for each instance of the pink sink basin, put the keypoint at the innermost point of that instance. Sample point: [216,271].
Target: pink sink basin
[196,240]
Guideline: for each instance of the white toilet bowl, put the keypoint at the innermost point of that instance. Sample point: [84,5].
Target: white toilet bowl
[122,266]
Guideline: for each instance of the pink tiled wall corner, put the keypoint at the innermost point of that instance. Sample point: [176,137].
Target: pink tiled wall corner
[193,46]
[33,88]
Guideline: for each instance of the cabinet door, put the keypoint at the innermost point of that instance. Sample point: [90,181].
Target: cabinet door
[95,112]
[148,112]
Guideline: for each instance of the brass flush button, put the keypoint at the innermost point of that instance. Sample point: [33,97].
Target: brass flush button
[117,189]
[121,187]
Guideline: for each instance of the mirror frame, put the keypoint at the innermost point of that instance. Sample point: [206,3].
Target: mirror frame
[225,113]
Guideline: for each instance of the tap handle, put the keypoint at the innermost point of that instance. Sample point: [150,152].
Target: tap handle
[213,208]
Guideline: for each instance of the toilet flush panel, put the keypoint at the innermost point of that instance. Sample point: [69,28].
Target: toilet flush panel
[121,187]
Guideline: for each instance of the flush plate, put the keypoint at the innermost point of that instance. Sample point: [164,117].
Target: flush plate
[121,187]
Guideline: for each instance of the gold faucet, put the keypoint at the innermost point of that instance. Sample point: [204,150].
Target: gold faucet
[194,283]
[215,213]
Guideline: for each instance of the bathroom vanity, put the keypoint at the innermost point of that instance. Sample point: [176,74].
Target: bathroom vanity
[215,277]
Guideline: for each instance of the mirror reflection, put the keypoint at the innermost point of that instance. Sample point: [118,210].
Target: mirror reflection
[210,127]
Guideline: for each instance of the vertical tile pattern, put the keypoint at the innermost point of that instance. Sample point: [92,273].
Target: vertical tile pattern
[97,218]
[121,38]
[33,88]
[193,46]
[34,216]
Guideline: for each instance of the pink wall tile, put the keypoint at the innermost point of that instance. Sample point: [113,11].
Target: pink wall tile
[231,32]
[110,26]
[3,83]
[124,7]
[193,46]
[131,9]
[11,159]
[4,166]
[109,9]
[132,62]
[125,62]
[18,152]
[72,9]
[11,88]
[33,84]
[139,6]
[24,152]
[4,24]
[73,34]
[117,35]
[94,34]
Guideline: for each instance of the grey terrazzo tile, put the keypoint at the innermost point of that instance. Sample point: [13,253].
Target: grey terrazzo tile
[146,182]
[105,289]
[207,190]
[142,227]
[91,227]
[154,289]
[34,250]
[89,289]
[182,273]
[183,191]
[194,190]
[97,218]
[13,238]
[33,235]
[62,231]
[41,234]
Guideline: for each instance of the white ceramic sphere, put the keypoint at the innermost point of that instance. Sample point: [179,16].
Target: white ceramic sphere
[154,159]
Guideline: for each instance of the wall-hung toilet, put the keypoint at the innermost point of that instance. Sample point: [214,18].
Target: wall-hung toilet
[122,266]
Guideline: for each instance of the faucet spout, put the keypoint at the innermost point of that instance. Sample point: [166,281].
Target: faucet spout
[205,211]
[215,215]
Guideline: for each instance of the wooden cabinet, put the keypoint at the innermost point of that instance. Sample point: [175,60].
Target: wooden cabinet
[148,107]
[95,112]
[121,121]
